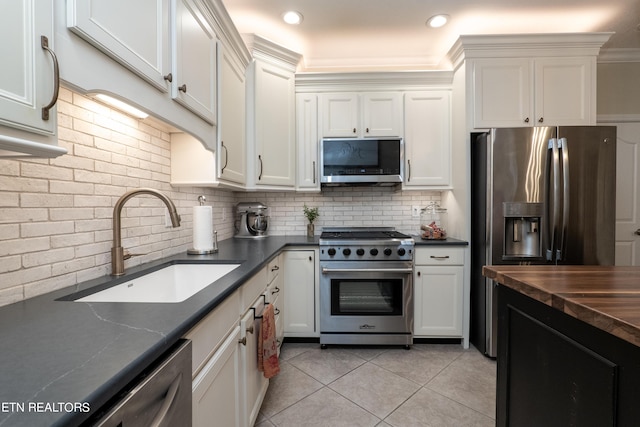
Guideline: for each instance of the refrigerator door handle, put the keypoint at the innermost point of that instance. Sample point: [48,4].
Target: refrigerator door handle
[555,195]
[564,150]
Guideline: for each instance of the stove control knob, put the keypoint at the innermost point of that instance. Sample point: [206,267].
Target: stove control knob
[373,252]
[360,252]
[331,252]
[346,252]
[401,251]
[387,251]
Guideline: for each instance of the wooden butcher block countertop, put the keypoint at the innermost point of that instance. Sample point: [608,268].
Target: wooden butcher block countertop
[606,297]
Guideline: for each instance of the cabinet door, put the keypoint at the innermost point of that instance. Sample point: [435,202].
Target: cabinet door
[301,293]
[565,91]
[340,115]
[381,114]
[232,146]
[194,43]
[116,26]
[427,128]
[274,125]
[27,82]
[502,93]
[255,384]
[438,302]
[216,389]
[307,141]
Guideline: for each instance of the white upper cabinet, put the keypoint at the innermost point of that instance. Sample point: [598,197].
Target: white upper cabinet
[271,116]
[232,158]
[534,92]
[427,130]
[351,115]
[340,114]
[29,80]
[117,27]
[307,141]
[194,69]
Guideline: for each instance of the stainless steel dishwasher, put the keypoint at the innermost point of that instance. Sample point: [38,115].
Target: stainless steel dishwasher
[162,398]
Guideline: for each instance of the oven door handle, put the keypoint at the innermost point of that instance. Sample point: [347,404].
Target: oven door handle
[326,270]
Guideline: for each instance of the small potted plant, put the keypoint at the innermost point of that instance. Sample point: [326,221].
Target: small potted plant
[311,214]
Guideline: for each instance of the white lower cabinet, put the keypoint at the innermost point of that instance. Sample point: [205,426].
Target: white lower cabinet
[254,383]
[301,282]
[228,388]
[217,398]
[439,292]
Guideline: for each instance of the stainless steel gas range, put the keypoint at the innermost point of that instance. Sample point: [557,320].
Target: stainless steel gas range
[366,286]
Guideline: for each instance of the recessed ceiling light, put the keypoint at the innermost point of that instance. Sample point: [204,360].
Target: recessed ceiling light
[292,17]
[437,21]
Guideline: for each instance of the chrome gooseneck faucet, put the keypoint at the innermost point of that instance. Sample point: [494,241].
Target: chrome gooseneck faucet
[118,253]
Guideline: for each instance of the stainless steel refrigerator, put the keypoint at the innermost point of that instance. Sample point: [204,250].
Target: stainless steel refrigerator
[540,195]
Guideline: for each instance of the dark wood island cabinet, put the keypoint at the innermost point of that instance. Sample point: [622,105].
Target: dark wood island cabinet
[568,345]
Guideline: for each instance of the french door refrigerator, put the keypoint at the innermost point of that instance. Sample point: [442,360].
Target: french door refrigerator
[540,195]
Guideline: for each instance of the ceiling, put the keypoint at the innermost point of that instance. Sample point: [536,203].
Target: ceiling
[365,35]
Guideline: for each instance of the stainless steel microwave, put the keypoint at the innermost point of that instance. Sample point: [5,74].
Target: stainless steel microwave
[376,161]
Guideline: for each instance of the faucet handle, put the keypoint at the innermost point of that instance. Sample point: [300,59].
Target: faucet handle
[128,254]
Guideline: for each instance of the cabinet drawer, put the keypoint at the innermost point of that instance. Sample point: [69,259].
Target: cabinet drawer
[210,331]
[439,256]
[273,268]
[253,288]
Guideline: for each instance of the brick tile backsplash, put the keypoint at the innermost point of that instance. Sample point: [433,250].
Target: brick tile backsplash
[56,214]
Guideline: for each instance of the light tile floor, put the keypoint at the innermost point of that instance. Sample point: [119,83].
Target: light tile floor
[430,385]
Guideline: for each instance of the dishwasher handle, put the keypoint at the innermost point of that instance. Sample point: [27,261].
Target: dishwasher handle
[169,399]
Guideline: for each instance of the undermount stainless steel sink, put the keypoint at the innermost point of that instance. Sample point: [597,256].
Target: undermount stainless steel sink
[171,284]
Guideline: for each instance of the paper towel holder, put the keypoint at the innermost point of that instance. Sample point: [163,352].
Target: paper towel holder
[193,251]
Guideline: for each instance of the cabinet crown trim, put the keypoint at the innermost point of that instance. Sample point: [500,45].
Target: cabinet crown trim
[364,81]
[267,50]
[526,45]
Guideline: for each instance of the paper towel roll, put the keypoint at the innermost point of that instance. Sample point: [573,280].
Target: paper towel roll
[202,228]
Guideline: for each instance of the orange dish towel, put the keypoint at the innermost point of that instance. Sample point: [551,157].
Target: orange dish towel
[267,344]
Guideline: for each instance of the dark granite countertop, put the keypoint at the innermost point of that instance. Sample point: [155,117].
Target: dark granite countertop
[449,241]
[56,352]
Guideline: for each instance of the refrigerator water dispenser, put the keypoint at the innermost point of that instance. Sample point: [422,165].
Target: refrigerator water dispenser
[522,234]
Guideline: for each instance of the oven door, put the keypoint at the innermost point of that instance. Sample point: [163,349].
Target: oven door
[366,297]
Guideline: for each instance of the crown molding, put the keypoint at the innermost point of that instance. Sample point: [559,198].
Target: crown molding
[525,45]
[608,56]
[270,51]
[363,81]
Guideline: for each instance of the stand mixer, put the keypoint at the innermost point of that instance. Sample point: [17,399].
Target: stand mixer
[253,221]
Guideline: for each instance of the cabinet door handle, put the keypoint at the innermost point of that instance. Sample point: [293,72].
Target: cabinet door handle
[314,171]
[183,88]
[354,130]
[637,232]
[44,43]
[277,290]
[440,257]
[275,268]
[260,175]
[311,259]
[526,120]
[243,341]
[276,312]
[226,156]
[169,77]
[419,274]
[409,171]
[250,330]
[367,130]
[541,119]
